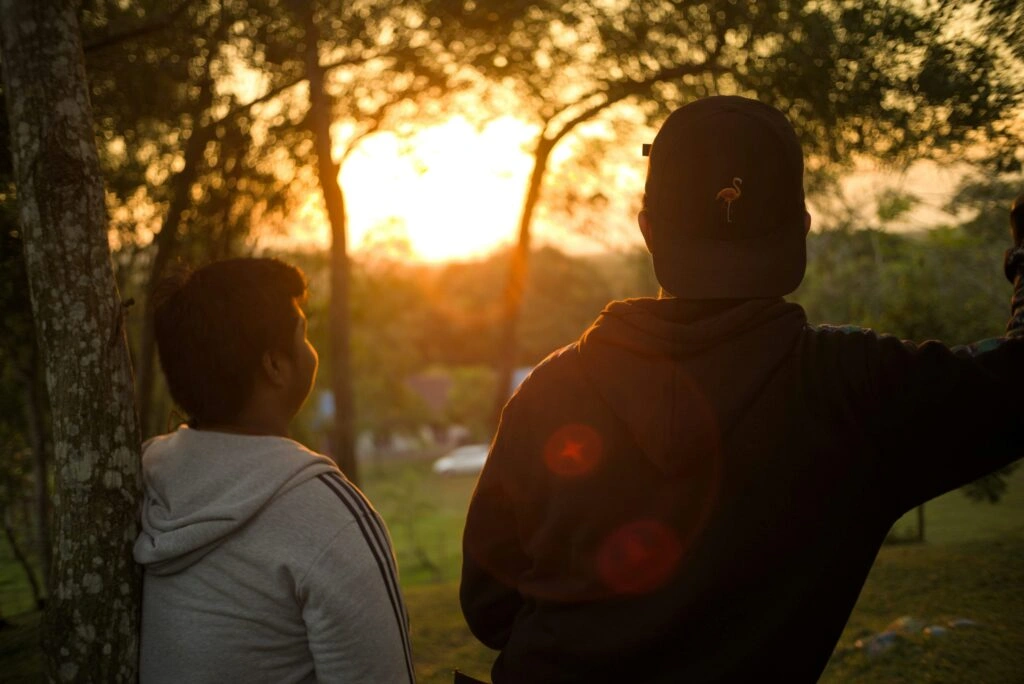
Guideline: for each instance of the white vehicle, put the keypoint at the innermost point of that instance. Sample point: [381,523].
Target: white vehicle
[464,460]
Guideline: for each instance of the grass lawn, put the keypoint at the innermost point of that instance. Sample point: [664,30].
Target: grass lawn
[971,567]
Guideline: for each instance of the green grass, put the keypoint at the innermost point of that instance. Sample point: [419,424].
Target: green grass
[425,513]
[981,581]
[971,566]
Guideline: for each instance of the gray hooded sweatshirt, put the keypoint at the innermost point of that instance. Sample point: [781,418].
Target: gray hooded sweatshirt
[263,564]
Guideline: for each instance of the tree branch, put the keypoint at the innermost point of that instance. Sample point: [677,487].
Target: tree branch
[620,91]
[153,26]
[277,90]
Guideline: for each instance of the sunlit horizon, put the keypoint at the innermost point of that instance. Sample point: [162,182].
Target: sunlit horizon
[452,191]
[449,192]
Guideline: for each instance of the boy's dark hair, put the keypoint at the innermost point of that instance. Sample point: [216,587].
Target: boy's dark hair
[213,326]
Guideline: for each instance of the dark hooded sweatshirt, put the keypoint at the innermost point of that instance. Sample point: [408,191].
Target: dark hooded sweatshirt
[676,495]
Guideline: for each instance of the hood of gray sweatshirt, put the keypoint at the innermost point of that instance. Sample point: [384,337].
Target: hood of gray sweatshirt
[201,486]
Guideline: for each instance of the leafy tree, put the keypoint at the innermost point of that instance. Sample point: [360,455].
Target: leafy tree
[468,402]
[877,78]
[387,311]
[182,152]
[214,153]
[401,68]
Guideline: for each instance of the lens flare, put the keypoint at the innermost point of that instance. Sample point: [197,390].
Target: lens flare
[573,450]
[639,557]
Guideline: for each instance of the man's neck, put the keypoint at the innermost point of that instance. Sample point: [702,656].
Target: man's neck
[250,426]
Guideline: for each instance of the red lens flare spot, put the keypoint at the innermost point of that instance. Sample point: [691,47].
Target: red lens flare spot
[639,557]
[573,450]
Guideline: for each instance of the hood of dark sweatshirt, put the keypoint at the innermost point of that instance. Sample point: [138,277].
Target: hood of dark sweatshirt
[679,373]
[201,486]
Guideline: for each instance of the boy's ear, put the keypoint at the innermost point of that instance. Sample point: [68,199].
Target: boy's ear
[273,368]
[643,219]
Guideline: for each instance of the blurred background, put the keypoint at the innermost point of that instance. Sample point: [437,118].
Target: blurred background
[459,181]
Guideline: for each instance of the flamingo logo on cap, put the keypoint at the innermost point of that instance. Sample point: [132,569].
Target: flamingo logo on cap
[730,195]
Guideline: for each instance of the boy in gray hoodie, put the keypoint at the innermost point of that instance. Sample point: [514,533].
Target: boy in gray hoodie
[262,562]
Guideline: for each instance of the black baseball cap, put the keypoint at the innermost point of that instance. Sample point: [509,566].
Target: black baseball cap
[725,201]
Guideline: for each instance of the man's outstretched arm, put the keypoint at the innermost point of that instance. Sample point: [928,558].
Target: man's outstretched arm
[1013,266]
[945,417]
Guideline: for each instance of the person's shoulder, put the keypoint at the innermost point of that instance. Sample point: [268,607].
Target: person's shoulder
[557,368]
[330,492]
[560,362]
[316,510]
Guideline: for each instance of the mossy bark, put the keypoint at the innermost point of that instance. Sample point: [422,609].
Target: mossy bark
[92,617]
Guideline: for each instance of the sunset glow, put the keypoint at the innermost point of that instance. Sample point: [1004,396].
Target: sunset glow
[452,191]
[455,191]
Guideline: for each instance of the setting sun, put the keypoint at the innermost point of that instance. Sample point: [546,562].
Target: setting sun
[455,191]
[452,191]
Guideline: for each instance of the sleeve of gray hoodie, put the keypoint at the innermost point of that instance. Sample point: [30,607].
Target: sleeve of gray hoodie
[355,618]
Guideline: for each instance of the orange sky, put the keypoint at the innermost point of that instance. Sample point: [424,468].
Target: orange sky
[456,192]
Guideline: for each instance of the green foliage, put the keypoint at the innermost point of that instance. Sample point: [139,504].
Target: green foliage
[877,78]
[178,141]
[893,204]
[944,284]
[409,319]
[468,402]
[202,114]
[563,297]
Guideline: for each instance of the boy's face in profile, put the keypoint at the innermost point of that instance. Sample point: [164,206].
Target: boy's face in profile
[304,361]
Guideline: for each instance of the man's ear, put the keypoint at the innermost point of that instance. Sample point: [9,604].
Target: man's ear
[273,368]
[644,221]
[807,222]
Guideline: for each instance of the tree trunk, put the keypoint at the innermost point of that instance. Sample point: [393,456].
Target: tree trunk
[343,433]
[516,285]
[91,628]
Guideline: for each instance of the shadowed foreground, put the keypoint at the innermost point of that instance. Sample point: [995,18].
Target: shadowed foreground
[979,581]
[971,568]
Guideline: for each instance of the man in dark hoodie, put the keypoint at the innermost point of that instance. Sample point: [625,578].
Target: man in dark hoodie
[263,563]
[701,476]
